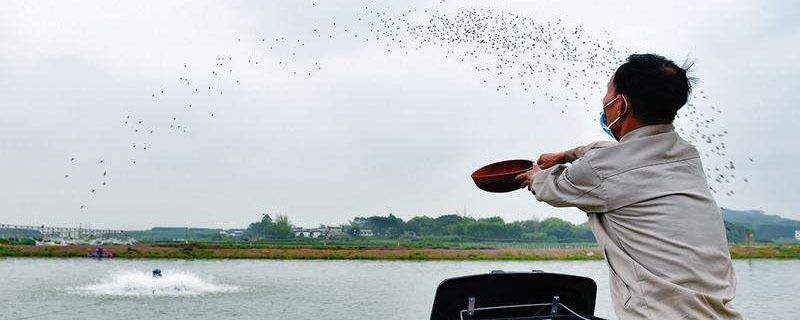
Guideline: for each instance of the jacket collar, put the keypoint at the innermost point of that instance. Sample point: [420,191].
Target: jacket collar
[649,130]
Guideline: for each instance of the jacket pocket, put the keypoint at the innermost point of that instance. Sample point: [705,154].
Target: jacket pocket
[620,288]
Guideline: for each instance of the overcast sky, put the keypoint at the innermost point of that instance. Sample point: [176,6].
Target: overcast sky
[370,133]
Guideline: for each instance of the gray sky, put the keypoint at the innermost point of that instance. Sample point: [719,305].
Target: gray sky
[370,133]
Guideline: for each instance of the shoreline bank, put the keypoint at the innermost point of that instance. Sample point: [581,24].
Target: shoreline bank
[199,251]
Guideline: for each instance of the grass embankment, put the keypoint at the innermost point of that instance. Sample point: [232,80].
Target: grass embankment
[336,253]
[765,252]
[201,251]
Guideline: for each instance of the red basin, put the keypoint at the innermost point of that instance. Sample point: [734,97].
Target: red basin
[499,176]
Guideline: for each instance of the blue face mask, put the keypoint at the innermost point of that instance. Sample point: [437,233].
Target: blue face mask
[604,119]
[604,124]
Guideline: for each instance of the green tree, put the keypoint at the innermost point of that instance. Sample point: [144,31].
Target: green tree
[266,228]
[388,226]
[282,228]
[254,231]
[423,225]
[267,225]
[559,229]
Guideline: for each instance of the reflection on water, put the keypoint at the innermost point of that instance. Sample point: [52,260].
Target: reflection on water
[267,289]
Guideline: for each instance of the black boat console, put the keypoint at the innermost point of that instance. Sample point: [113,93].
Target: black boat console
[515,296]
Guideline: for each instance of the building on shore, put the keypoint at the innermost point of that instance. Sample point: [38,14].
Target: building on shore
[307,233]
[61,236]
[323,231]
[236,233]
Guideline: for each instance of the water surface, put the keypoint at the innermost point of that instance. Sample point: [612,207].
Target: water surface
[316,289]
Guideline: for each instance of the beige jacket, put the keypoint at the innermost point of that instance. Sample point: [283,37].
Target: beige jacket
[651,210]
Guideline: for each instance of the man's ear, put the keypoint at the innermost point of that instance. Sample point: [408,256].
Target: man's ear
[616,106]
[624,106]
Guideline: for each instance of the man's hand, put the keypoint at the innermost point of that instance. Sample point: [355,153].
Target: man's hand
[526,178]
[547,160]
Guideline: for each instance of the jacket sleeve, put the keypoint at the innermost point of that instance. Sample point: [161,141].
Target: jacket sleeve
[576,185]
[578,152]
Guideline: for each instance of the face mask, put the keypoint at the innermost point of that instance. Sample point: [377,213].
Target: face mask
[604,119]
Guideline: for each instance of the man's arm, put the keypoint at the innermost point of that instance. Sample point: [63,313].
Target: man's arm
[547,160]
[578,152]
[577,185]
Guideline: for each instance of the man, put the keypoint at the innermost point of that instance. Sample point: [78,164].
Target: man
[647,198]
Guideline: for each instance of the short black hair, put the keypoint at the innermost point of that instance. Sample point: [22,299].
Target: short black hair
[655,87]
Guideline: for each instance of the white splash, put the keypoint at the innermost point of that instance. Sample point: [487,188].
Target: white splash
[137,283]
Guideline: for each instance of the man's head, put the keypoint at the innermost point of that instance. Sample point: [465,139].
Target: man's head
[648,87]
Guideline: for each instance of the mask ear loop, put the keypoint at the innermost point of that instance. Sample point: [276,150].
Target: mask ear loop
[621,114]
[626,106]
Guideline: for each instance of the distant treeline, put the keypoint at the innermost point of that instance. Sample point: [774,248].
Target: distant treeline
[177,234]
[741,227]
[760,227]
[448,227]
[468,228]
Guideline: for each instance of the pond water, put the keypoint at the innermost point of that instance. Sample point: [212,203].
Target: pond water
[305,289]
